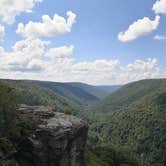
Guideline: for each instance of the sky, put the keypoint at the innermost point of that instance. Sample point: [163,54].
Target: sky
[96,42]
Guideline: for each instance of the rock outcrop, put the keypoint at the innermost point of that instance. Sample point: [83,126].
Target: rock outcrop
[58,139]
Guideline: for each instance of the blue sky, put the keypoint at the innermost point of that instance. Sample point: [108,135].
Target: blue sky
[94,35]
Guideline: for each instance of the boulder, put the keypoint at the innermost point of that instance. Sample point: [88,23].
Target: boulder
[58,139]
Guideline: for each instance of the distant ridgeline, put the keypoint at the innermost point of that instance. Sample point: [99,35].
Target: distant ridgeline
[133,119]
[127,125]
[59,95]
[37,135]
[16,148]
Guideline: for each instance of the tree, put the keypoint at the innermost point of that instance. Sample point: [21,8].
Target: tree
[8,109]
[68,111]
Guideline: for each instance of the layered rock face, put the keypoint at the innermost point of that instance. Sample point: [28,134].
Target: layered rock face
[58,139]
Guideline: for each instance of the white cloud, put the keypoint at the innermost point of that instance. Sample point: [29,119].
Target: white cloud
[139,28]
[112,72]
[26,56]
[32,59]
[58,64]
[160,7]
[60,52]
[11,8]
[140,65]
[48,27]
[2,31]
[160,37]
[97,66]
[140,69]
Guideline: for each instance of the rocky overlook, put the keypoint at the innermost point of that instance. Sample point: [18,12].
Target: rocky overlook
[57,140]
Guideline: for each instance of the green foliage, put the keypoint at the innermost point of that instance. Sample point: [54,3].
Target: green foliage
[109,156]
[130,93]
[14,127]
[75,93]
[99,91]
[68,111]
[8,106]
[93,160]
[30,94]
[59,95]
[128,124]
[134,121]
[5,146]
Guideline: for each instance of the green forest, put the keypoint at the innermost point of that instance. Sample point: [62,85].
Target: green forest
[126,128]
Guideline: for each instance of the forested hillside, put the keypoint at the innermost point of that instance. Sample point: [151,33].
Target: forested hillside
[126,128]
[133,119]
[36,95]
[130,93]
[14,127]
[17,127]
[75,93]
[99,91]
[57,94]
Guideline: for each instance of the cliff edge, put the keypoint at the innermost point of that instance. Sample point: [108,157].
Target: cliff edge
[57,140]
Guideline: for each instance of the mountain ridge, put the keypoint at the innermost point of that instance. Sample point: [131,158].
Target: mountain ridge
[129,93]
[79,92]
[133,119]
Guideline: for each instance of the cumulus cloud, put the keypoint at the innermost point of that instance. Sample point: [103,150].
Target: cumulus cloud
[139,28]
[159,7]
[140,69]
[26,56]
[31,58]
[142,65]
[112,72]
[2,31]
[48,27]
[160,37]
[60,52]
[11,8]
[97,66]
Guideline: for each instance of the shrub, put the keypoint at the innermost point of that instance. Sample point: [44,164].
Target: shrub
[8,110]
[68,112]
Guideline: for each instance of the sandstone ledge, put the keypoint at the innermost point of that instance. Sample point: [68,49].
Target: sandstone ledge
[57,140]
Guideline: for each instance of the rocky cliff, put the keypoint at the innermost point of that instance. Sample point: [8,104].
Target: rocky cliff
[57,140]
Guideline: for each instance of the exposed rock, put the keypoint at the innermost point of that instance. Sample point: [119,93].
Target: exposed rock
[58,139]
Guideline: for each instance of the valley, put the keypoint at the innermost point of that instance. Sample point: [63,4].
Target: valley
[127,123]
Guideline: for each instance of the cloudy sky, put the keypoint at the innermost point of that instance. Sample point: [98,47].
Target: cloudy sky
[96,42]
